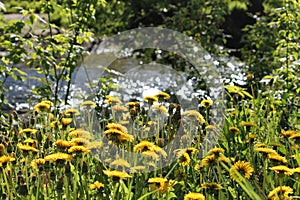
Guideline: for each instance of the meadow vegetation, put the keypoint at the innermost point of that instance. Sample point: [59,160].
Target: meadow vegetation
[61,152]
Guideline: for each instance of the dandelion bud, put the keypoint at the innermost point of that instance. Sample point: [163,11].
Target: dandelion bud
[2,149]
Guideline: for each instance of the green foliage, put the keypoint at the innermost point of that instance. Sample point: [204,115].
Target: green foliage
[11,40]
[272,42]
[202,20]
[57,54]
[265,114]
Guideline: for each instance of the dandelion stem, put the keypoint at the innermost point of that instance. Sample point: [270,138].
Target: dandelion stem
[7,184]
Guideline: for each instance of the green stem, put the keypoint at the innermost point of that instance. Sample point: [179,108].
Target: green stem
[7,184]
[38,187]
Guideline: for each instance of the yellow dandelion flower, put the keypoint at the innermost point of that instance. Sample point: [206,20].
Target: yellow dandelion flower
[211,186]
[96,186]
[51,117]
[282,169]
[208,160]
[66,121]
[157,180]
[151,165]
[137,169]
[117,127]
[248,124]
[37,162]
[125,137]
[272,108]
[72,112]
[118,135]
[162,95]
[249,76]
[79,133]
[118,108]
[120,163]
[295,147]
[159,150]
[295,135]
[276,157]
[30,141]
[243,168]
[195,114]
[151,154]
[223,158]
[234,130]
[184,159]
[184,138]
[72,129]
[116,175]
[150,99]
[63,143]
[274,144]
[94,145]
[143,146]
[190,150]
[233,113]
[238,90]
[55,124]
[206,103]
[162,184]
[130,104]
[113,132]
[42,107]
[26,148]
[47,102]
[296,170]
[79,142]
[281,192]
[194,196]
[288,133]
[88,104]
[5,159]
[160,108]
[113,100]
[250,138]
[78,149]
[260,145]
[28,131]
[216,151]
[58,156]
[123,122]
[265,150]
